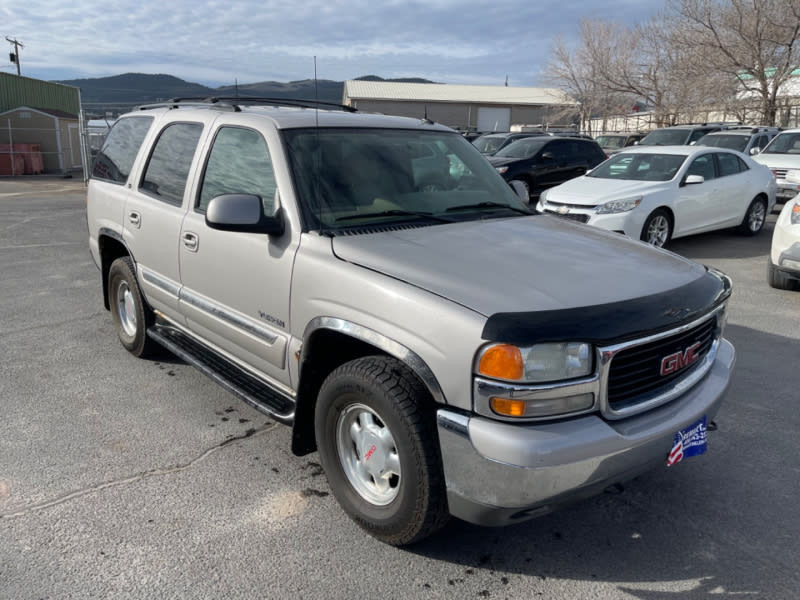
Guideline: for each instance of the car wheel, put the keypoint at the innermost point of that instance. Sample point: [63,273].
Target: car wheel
[657,229]
[754,218]
[779,280]
[524,184]
[375,428]
[129,312]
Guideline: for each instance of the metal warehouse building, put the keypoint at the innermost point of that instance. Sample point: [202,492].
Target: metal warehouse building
[465,107]
[39,125]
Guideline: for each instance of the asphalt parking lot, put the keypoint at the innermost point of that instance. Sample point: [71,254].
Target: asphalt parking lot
[127,478]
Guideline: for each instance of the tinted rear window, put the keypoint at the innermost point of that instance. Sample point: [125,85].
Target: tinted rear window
[115,159]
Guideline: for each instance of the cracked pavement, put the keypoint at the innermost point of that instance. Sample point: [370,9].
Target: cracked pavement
[127,478]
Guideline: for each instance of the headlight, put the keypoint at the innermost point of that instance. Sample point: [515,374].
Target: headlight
[543,197]
[539,363]
[501,170]
[618,206]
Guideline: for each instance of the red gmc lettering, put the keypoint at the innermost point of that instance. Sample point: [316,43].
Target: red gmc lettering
[679,360]
[370,452]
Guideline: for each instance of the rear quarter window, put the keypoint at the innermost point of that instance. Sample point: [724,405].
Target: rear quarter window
[115,159]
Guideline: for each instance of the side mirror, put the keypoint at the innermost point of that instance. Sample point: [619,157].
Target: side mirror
[693,179]
[242,212]
[754,150]
[547,156]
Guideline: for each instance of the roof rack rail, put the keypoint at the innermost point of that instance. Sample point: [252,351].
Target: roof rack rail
[236,102]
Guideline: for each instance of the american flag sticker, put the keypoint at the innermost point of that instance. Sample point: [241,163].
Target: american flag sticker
[689,441]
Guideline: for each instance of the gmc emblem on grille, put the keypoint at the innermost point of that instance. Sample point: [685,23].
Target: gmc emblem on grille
[678,360]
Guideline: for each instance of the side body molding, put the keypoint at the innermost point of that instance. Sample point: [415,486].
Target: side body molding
[388,345]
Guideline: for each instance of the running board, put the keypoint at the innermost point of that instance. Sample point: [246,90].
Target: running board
[233,378]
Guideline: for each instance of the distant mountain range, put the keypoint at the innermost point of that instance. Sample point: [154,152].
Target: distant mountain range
[116,93]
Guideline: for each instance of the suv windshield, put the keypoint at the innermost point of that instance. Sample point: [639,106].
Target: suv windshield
[665,137]
[725,140]
[784,143]
[611,141]
[488,144]
[524,148]
[639,167]
[348,178]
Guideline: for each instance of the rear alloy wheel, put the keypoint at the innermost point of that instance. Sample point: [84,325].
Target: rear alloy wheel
[657,229]
[376,434]
[754,218]
[131,315]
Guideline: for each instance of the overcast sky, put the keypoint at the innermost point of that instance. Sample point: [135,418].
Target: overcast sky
[217,42]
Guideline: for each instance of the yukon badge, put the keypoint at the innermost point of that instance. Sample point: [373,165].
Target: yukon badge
[678,360]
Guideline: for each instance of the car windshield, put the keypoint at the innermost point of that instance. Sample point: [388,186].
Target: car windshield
[349,178]
[725,140]
[611,141]
[488,144]
[665,137]
[784,143]
[639,166]
[524,148]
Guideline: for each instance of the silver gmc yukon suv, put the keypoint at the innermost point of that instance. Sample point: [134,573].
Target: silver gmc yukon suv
[372,282]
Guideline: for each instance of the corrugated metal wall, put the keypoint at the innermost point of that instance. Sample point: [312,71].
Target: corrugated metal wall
[465,116]
[23,91]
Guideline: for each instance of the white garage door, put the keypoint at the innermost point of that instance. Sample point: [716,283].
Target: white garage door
[494,119]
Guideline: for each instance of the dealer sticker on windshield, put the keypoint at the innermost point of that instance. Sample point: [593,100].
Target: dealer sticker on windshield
[689,441]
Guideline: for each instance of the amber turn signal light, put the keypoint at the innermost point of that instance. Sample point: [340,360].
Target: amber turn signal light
[503,362]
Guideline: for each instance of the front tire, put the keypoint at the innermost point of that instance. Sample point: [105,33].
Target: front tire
[779,280]
[657,229]
[754,218]
[129,312]
[375,428]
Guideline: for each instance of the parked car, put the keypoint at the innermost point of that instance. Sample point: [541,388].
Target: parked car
[680,134]
[657,194]
[490,143]
[745,140]
[614,142]
[783,266]
[781,155]
[295,256]
[542,162]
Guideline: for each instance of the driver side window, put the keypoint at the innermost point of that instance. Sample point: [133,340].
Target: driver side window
[703,165]
[239,163]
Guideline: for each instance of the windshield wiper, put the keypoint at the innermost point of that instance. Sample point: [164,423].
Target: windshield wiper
[489,205]
[395,213]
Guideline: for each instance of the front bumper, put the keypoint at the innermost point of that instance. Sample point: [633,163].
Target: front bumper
[500,473]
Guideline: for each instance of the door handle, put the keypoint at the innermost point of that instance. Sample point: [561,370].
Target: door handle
[190,241]
[135,219]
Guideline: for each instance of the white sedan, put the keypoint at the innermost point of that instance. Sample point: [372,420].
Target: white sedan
[656,193]
[783,268]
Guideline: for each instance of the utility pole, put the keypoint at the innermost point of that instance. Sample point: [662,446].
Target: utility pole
[14,56]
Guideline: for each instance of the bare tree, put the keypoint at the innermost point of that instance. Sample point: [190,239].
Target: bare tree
[752,42]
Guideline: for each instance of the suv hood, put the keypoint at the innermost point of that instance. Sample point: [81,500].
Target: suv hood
[779,161]
[518,264]
[593,191]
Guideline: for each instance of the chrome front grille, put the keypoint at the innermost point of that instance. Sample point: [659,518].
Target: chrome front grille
[571,216]
[636,373]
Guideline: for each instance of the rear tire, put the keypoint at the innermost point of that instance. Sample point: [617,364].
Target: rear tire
[754,218]
[376,434]
[131,315]
[657,229]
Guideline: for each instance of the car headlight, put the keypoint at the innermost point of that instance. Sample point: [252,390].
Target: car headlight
[619,206]
[543,196]
[501,170]
[539,363]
